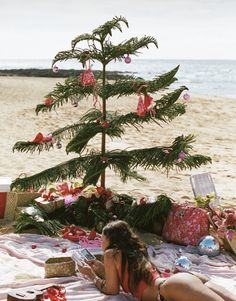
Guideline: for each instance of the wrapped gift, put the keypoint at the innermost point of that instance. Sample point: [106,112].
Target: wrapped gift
[50,202]
[59,267]
[186,225]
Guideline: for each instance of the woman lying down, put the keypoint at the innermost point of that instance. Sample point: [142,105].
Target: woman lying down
[127,264]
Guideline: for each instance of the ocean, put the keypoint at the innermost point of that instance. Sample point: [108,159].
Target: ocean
[205,77]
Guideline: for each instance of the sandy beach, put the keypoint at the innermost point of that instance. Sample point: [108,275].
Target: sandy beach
[211,119]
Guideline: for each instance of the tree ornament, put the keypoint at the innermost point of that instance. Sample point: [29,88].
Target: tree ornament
[182,155]
[104,159]
[48,101]
[186,96]
[183,264]
[140,107]
[48,138]
[55,69]
[59,145]
[75,104]
[127,59]
[208,245]
[105,124]
[87,77]
[38,138]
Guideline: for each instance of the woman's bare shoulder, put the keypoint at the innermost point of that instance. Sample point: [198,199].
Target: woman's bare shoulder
[114,254]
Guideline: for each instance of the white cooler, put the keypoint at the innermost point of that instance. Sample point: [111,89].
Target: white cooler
[5,183]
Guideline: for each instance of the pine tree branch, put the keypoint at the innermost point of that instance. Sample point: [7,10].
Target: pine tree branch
[157,157]
[117,52]
[67,55]
[128,87]
[62,93]
[66,132]
[84,37]
[106,29]
[73,168]
[88,131]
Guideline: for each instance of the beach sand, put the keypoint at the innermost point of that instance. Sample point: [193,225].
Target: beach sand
[211,119]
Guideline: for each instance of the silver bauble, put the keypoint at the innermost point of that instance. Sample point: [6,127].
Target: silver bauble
[183,263]
[208,245]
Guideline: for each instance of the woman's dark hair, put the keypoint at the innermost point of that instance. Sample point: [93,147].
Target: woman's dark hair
[122,237]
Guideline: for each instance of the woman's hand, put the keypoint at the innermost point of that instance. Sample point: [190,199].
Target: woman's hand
[88,271]
[98,267]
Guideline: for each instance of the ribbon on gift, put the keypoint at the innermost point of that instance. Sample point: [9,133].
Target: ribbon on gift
[50,196]
[56,293]
[66,189]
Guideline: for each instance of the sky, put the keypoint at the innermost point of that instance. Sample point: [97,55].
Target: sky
[184,29]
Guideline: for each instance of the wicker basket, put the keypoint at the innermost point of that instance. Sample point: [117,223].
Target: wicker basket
[25,197]
[59,267]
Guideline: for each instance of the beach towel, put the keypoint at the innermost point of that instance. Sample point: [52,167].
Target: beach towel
[22,258]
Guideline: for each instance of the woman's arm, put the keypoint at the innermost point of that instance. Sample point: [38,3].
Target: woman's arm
[110,285]
[98,268]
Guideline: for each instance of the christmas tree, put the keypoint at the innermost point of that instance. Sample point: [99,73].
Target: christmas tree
[92,165]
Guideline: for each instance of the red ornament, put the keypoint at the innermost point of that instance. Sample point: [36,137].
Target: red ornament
[33,246]
[87,78]
[140,107]
[127,59]
[142,201]
[148,100]
[105,124]
[38,138]
[48,101]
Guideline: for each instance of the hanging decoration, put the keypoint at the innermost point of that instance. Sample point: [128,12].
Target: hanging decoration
[40,138]
[181,156]
[140,107]
[105,124]
[145,105]
[55,69]
[87,77]
[127,59]
[48,101]
[186,97]
[59,145]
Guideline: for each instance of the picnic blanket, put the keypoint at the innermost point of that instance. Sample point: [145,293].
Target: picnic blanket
[22,258]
